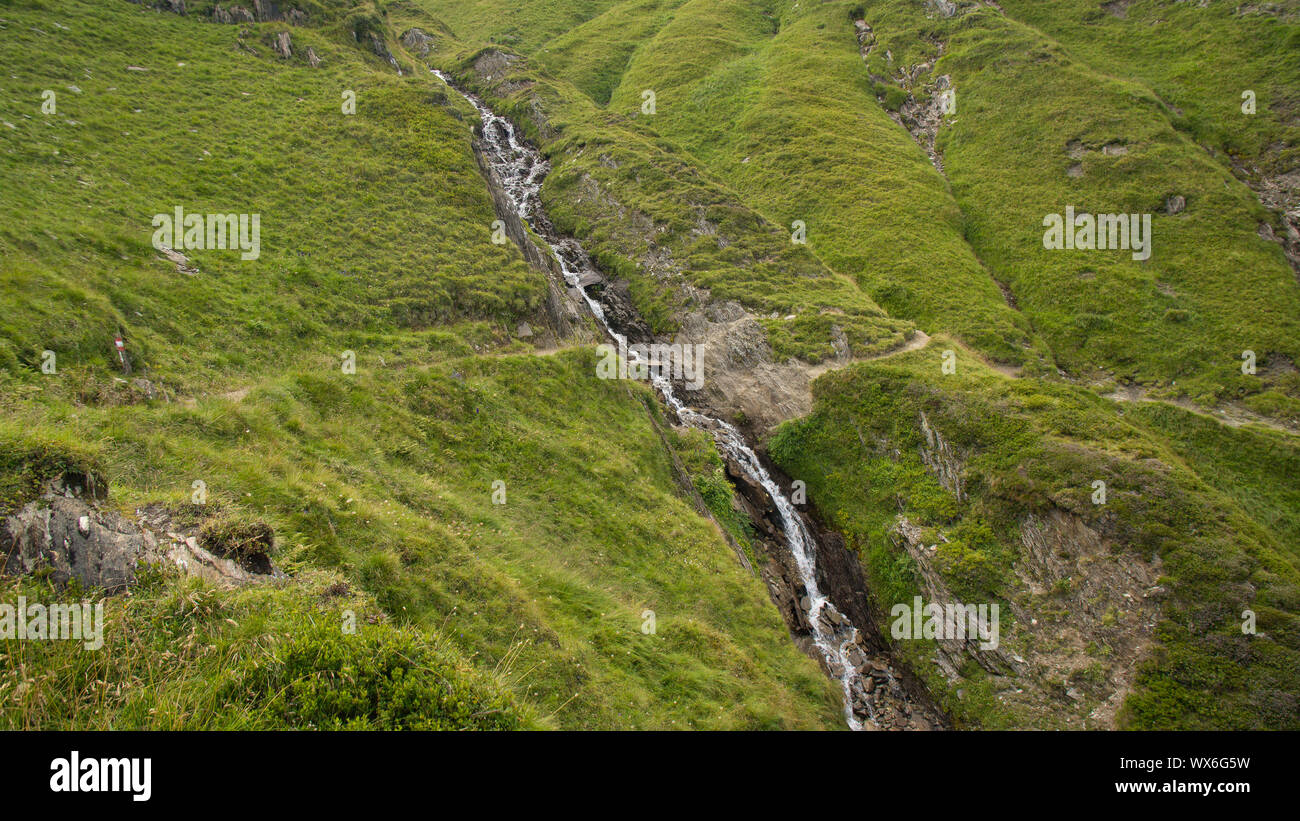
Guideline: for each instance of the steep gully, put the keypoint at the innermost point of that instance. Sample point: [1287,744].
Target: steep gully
[876,696]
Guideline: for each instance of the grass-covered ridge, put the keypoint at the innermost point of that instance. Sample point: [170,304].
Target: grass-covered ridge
[774,99]
[1031,449]
[775,102]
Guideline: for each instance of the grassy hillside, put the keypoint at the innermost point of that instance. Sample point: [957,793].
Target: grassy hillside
[775,100]
[1031,449]
[500,519]
[376,240]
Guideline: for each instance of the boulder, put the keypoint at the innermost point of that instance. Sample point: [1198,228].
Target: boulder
[66,536]
[69,539]
[418,42]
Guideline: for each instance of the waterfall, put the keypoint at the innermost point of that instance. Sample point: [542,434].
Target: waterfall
[521,170]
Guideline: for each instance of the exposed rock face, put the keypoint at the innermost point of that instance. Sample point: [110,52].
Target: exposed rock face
[380,48]
[939,456]
[283,46]
[180,547]
[68,537]
[945,8]
[234,14]
[1110,594]
[739,374]
[492,65]
[312,59]
[71,540]
[1175,204]
[1079,668]
[266,10]
[922,120]
[952,653]
[418,42]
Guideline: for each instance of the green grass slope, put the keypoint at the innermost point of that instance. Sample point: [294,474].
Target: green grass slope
[376,240]
[1030,449]
[775,101]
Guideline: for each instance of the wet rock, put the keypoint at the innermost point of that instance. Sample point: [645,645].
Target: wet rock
[380,49]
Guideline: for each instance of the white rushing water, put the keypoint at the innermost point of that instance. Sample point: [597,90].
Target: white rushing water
[521,170]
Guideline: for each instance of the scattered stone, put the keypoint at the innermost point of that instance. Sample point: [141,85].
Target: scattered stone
[181,261]
[145,387]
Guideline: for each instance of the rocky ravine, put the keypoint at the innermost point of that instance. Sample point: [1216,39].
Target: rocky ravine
[822,596]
